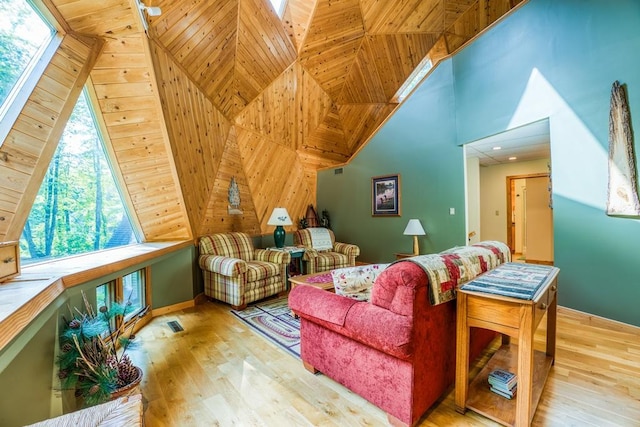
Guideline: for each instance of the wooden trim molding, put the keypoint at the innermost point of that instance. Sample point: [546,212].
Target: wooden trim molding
[25,296]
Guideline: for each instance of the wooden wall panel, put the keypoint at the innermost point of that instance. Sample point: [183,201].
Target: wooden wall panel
[103,18]
[383,64]
[217,218]
[264,50]
[198,132]
[409,16]
[238,92]
[332,43]
[297,18]
[360,121]
[476,18]
[135,129]
[274,113]
[30,144]
[209,54]
[264,164]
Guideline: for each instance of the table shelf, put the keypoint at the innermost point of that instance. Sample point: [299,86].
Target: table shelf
[497,408]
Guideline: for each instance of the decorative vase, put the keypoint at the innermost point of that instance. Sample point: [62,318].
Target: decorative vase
[130,388]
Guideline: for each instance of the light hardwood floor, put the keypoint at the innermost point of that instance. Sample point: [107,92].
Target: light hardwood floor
[220,373]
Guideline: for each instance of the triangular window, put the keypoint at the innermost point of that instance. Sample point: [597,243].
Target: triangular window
[78,208]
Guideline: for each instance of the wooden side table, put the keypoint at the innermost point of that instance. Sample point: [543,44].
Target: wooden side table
[402,256]
[513,318]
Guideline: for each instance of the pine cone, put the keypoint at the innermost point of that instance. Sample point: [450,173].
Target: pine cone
[127,373]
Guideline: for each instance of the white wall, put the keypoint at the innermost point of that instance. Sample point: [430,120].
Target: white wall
[473,198]
[493,195]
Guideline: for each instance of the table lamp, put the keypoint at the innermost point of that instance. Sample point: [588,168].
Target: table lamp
[414,228]
[279,217]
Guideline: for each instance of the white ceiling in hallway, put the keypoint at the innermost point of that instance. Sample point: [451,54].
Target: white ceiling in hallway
[529,142]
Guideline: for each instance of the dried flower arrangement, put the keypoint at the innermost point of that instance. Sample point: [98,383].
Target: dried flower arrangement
[93,353]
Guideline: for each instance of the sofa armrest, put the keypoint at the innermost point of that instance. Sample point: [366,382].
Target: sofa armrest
[371,325]
[232,267]
[276,257]
[315,303]
[346,248]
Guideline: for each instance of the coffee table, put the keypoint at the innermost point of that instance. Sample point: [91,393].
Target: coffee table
[321,280]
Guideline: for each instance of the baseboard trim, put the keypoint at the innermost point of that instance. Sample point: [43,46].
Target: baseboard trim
[171,308]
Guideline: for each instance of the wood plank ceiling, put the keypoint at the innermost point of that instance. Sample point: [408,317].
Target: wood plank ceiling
[225,88]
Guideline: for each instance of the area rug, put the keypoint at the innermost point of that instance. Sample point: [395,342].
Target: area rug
[273,320]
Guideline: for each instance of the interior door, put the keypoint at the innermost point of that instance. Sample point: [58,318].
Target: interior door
[538,220]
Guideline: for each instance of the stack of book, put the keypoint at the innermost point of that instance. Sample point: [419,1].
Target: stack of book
[503,383]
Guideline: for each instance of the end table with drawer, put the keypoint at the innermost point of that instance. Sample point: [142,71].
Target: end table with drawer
[513,317]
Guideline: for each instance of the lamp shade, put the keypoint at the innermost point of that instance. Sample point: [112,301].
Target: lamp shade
[279,216]
[414,228]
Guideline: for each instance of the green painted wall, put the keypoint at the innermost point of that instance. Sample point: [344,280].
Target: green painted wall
[549,59]
[27,365]
[418,142]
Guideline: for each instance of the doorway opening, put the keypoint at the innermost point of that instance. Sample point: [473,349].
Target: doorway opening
[530,218]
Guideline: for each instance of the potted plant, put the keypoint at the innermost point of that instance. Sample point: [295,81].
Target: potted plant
[93,356]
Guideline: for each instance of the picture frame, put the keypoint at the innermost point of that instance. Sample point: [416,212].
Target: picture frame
[385,195]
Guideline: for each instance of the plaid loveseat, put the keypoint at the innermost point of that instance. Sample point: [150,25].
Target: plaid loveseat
[340,255]
[236,273]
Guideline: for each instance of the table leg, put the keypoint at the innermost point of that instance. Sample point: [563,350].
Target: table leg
[462,354]
[551,328]
[525,366]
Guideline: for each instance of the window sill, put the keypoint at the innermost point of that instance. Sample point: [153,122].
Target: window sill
[27,295]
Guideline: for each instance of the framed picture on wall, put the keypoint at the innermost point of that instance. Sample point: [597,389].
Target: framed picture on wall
[385,195]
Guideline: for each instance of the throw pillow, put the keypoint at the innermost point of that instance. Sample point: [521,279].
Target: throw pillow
[356,282]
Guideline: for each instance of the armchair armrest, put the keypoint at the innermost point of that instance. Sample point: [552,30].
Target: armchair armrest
[309,253]
[232,267]
[346,248]
[276,257]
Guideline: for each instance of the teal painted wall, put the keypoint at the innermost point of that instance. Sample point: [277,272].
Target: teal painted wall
[558,60]
[27,364]
[418,142]
[549,59]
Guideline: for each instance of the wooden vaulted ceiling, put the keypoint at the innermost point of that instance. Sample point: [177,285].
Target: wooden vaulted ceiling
[226,88]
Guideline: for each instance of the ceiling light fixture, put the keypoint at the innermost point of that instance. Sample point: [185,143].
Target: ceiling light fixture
[513,158]
[151,10]
[497,148]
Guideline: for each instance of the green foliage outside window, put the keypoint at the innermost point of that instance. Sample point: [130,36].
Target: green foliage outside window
[78,208]
[23,33]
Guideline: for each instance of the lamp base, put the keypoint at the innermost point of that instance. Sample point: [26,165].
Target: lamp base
[278,236]
[416,250]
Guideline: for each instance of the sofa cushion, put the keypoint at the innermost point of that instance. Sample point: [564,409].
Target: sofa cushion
[356,282]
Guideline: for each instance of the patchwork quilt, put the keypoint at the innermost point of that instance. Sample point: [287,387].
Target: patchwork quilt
[456,266]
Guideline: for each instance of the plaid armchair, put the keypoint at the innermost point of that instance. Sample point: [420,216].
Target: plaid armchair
[236,273]
[329,257]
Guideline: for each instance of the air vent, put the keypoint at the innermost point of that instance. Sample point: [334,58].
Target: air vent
[337,171]
[175,326]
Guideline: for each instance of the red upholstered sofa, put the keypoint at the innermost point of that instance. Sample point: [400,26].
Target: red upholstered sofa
[397,351]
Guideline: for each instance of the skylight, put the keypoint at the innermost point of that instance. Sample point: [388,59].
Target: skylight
[416,77]
[279,5]
[24,36]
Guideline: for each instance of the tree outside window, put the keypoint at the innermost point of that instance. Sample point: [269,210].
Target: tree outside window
[78,208]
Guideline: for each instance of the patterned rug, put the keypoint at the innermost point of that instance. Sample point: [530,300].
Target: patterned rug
[273,320]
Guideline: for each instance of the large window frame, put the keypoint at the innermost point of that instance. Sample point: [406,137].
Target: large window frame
[106,153]
[26,83]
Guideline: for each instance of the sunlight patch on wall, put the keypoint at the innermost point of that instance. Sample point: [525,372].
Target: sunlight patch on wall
[571,143]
